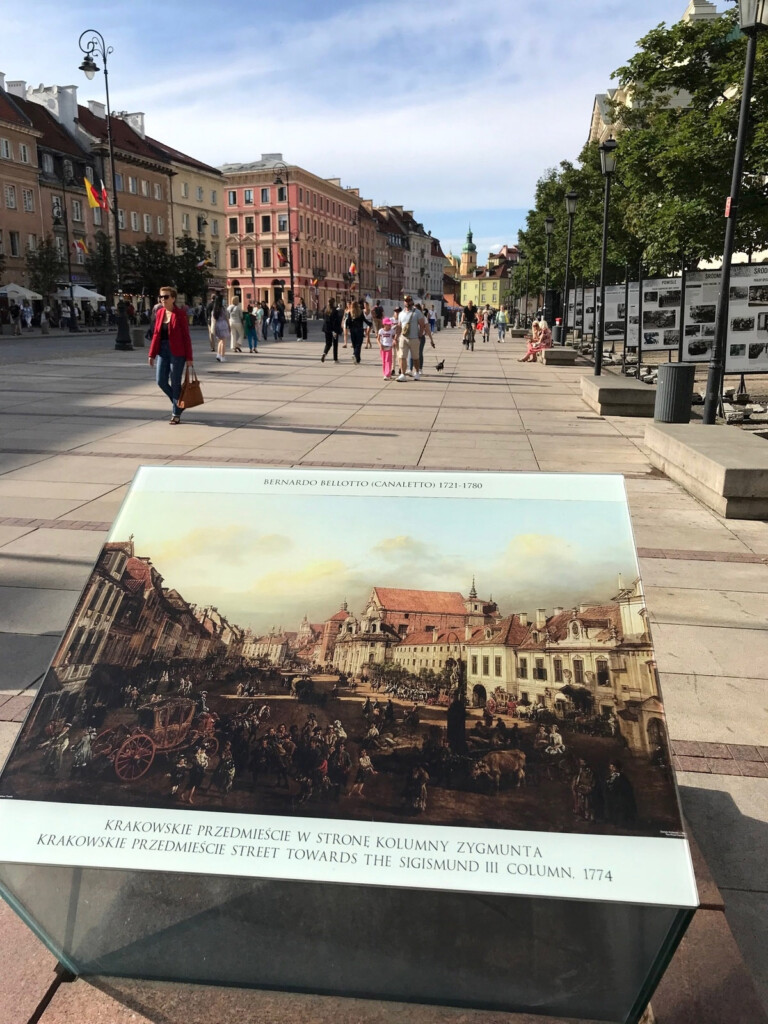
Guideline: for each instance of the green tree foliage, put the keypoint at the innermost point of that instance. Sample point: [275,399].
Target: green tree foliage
[100,264]
[45,267]
[190,280]
[147,267]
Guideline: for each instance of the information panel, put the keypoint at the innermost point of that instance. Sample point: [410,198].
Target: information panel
[747,337]
[323,690]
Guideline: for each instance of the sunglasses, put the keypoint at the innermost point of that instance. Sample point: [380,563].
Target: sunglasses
[164,297]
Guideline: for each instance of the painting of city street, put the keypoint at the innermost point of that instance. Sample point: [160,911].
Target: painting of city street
[443,660]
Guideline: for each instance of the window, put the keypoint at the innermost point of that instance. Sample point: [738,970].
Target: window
[486,665]
[199,193]
[248,196]
[301,222]
[48,164]
[89,173]
[77,210]
[249,259]
[13,237]
[134,221]
[234,259]
[232,197]
[497,667]
[121,218]
[118,182]
[266,261]
[539,671]
[266,222]
[96,217]
[145,187]
[214,227]
[301,195]
[474,664]
[282,194]
[184,190]
[23,153]
[578,671]
[249,225]
[314,200]
[558,666]
[10,197]
[522,668]
[215,257]
[233,225]
[147,224]
[28,199]
[133,184]
[282,222]
[5,149]
[157,189]
[160,226]
[214,197]
[265,195]
[32,243]
[185,222]
[603,675]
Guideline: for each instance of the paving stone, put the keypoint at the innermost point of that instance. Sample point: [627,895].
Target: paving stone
[742,752]
[754,769]
[723,766]
[714,750]
[686,747]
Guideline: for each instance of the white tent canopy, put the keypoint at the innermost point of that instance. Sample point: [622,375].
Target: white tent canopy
[80,293]
[17,291]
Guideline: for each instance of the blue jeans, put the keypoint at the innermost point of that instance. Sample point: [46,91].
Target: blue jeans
[169,371]
[250,336]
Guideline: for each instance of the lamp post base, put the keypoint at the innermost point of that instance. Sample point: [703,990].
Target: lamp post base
[123,341]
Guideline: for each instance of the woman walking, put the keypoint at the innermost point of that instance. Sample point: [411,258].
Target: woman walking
[249,323]
[386,344]
[264,320]
[220,327]
[356,323]
[171,348]
[331,330]
[274,320]
[368,323]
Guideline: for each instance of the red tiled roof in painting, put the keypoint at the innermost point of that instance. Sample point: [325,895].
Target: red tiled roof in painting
[435,601]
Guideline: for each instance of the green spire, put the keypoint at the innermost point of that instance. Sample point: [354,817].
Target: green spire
[469,245]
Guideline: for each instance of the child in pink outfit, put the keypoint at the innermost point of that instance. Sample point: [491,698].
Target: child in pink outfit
[386,342]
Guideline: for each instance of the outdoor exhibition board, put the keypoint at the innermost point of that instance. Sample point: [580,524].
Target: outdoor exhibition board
[661,313]
[290,739]
[747,332]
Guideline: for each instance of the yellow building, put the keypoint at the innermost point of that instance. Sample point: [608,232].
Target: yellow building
[484,285]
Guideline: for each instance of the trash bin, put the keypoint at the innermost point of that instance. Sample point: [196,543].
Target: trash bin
[674,393]
[137,336]
[557,332]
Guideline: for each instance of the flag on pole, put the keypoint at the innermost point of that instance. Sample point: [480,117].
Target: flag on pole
[203,263]
[104,199]
[79,246]
[353,267]
[95,200]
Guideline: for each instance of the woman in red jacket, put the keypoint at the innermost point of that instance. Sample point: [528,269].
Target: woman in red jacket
[172,347]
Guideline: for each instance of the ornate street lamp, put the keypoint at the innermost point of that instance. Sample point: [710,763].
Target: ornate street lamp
[281,171]
[753,18]
[571,200]
[608,167]
[95,45]
[549,227]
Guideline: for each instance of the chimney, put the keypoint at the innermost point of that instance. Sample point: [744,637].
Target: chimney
[136,121]
[583,608]
[541,618]
[558,610]
[2,82]
[467,632]
[523,616]
[17,88]
[97,109]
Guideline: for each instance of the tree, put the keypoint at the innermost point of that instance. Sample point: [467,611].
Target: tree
[147,267]
[45,267]
[100,264]
[191,280]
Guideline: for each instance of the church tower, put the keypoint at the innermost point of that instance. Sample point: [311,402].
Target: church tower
[468,256]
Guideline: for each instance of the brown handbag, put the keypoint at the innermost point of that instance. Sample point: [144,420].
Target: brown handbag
[191,392]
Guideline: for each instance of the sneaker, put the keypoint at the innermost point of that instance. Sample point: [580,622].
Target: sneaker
[222,360]
[218,358]
[409,373]
[416,375]
[402,378]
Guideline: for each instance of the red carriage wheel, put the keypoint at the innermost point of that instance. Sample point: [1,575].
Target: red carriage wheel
[134,757]
[104,743]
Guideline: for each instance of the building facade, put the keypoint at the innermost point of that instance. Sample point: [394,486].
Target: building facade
[21,225]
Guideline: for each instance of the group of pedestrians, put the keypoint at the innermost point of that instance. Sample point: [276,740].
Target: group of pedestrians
[474,319]
[231,326]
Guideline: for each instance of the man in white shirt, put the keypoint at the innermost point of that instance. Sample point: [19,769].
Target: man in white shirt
[236,325]
[410,324]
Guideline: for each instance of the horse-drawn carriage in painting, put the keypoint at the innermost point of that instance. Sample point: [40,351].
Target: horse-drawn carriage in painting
[169,724]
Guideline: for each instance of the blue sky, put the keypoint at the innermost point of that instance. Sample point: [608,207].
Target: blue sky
[449,108]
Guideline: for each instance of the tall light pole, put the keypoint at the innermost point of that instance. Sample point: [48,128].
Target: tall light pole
[608,167]
[571,199]
[281,171]
[96,45]
[549,227]
[753,18]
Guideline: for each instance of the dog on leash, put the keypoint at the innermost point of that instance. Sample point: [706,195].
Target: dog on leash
[440,366]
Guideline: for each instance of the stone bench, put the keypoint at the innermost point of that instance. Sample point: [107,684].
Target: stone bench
[560,355]
[725,467]
[611,395]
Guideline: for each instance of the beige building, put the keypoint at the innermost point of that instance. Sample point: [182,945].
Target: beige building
[21,219]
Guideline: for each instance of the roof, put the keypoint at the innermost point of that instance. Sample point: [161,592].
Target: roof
[510,632]
[174,154]
[424,637]
[124,137]
[339,616]
[137,574]
[54,135]
[438,602]
[11,112]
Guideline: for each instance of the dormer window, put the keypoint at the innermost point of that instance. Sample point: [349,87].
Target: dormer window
[575,632]
[488,634]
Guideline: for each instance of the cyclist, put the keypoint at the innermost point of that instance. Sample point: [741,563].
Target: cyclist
[469,320]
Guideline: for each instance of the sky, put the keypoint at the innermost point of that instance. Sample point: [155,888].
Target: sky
[450,108]
[266,560]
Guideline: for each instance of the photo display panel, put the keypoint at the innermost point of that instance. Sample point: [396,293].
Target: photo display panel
[661,313]
[747,337]
[322,690]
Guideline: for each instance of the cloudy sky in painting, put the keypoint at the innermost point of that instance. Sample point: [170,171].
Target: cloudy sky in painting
[446,107]
[265,560]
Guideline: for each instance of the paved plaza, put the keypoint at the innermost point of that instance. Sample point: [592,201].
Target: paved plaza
[77,418]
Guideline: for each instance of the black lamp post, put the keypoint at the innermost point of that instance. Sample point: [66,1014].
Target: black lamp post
[281,171]
[96,45]
[571,200]
[60,217]
[753,17]
[607,166]
[524,259]
[549,227]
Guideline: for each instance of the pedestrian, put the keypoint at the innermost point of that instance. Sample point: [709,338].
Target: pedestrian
[469,320]
[235,312]
[274,322]
[171,347]
[300,318]
[432,319]
[196,774]
[407,335]
[501,325]
[211,323]
[378,317]
[249,325]
[356,323]
[220,326]
[368,323]
[385,337]
[365,771]
[26,314]
[264,320]
[14,311]
[487,323]
[331,330]
[345,323]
